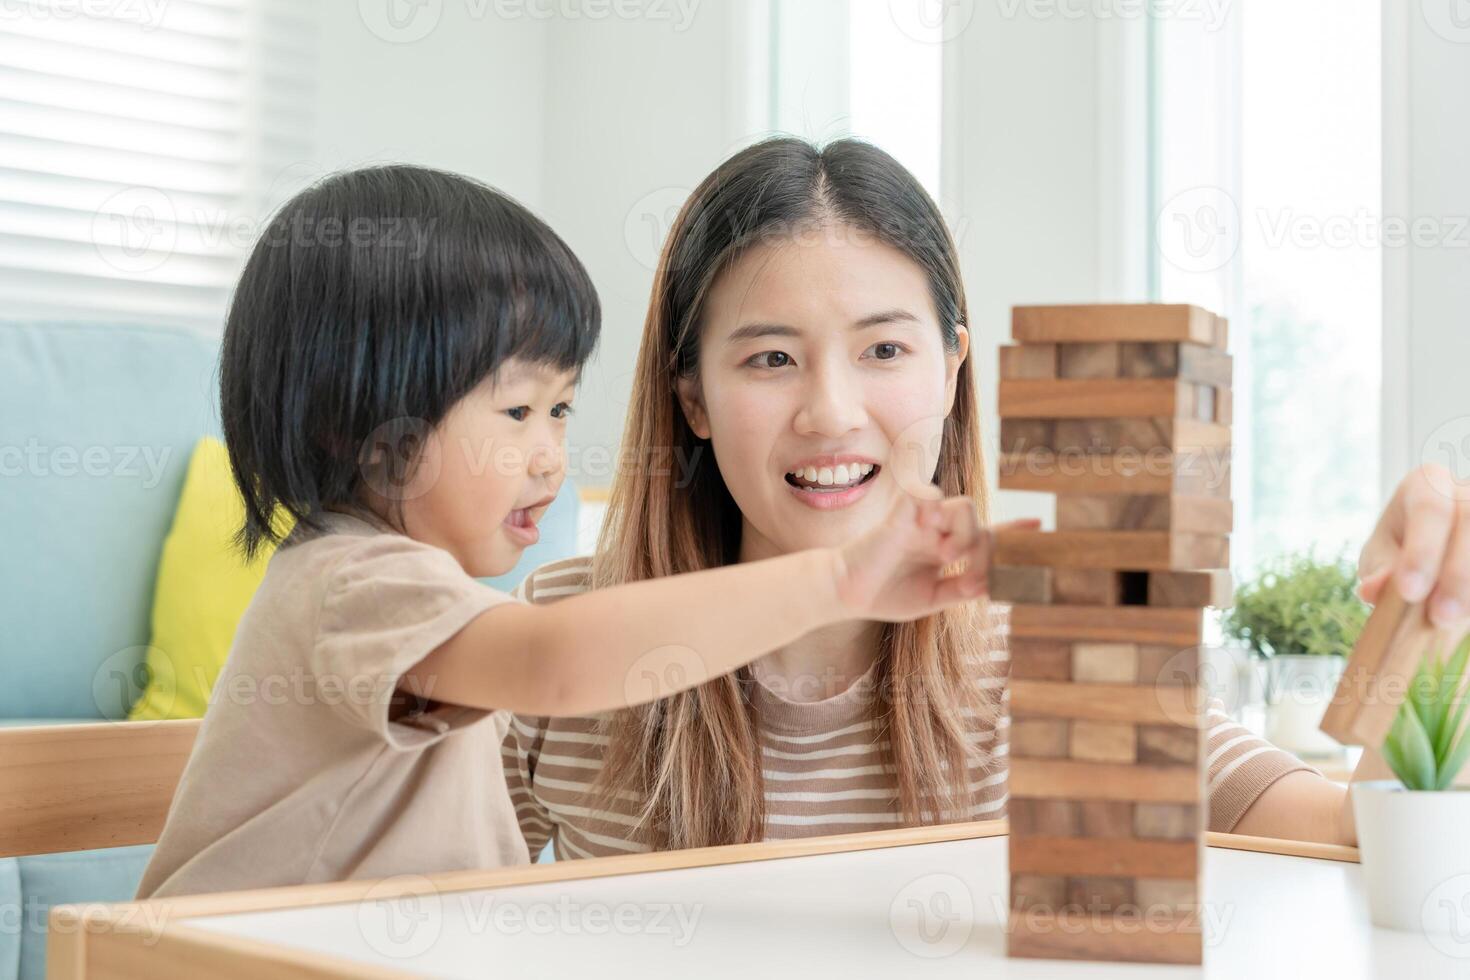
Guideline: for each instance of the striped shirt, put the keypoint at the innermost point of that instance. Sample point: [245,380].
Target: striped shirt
[823,761]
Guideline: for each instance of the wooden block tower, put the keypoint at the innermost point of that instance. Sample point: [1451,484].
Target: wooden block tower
[1124,413]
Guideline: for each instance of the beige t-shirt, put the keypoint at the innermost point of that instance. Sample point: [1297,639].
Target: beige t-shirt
[298,774]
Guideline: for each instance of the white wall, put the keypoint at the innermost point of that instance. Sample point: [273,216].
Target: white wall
[1426,322]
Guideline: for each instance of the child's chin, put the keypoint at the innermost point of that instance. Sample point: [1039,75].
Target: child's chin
[497,564]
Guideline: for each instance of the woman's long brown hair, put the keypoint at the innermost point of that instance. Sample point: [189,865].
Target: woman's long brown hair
[694,759]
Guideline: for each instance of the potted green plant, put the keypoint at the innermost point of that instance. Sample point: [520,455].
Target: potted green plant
[1411,830]
[1301,615]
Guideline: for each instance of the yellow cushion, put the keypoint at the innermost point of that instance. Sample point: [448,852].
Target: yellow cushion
[202,590]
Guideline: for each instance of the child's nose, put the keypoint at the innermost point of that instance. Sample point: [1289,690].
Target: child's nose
[545,461]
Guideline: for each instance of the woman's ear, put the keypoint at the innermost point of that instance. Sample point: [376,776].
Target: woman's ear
[691,399]
[952,362]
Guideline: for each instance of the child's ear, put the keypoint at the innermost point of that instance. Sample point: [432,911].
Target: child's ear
[691,399]
[952,362]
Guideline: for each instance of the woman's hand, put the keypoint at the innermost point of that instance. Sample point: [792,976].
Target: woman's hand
[898,571]
[1422,542]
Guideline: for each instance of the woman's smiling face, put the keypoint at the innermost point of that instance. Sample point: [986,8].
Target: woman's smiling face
[823,385]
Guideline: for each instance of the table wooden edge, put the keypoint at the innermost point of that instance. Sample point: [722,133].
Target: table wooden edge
[120,940]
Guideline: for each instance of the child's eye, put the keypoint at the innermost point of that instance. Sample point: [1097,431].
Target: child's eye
[519,413]
[769,359]
[561,410]
[884,351]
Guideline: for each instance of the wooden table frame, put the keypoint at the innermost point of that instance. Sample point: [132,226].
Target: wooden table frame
[120,941]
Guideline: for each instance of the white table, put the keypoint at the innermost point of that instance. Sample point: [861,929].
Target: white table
[929,909]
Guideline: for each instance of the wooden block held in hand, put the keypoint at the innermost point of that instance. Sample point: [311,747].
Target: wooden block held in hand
[1378,673]
[1031,361]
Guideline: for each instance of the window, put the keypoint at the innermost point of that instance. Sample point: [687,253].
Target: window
[141,144]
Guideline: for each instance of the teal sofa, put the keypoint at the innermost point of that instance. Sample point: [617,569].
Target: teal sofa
[97,421]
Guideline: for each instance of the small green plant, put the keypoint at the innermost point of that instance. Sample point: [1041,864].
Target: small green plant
[1426,747]
[1299,605]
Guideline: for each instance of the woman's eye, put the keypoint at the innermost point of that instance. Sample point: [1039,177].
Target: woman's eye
[561,410]
[519,413]
[885,351]
[770,359]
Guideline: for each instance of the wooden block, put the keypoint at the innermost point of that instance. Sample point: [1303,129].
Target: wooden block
[1088,360]
[1105,741]
[1222,333]
[1041,891]
[1115,321]
[1213,588]
[1156,895]
[1145,512]
[1087,586]
[1105,663]
[1168,821]
[1177,628]
[1021,583]
[1046,818]
[1204,403]
[1164,665]
[1030,361]
[1100,398]
[1167,744]
[1159,473]
[1025,435]
[1124,550]
[1106,818]
[1194,363]
[1131,703]
[1118,857]
[1068,779]
[1106,436]
[1076,934]
[1224,407]
[1040,660]
[1378,673]
[1099,893]
[1039,738]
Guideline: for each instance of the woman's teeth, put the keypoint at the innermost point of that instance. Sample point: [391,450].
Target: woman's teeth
[843,475]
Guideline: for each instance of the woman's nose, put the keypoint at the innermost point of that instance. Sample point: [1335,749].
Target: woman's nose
[832,404]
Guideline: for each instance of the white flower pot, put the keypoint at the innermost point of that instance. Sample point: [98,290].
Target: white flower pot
[1298,690]
[1416,856]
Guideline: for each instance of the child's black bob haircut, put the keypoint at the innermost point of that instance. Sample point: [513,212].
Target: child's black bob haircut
[381,297]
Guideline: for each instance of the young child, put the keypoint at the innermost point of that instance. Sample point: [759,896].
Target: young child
[397,371]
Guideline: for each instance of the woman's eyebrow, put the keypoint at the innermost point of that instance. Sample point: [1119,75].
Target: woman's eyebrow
[753,330]
[886,316]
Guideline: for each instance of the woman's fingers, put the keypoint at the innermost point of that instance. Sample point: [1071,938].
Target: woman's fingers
[1450,602]
[1428,522]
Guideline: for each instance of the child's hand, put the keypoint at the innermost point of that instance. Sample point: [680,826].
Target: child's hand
[898,571]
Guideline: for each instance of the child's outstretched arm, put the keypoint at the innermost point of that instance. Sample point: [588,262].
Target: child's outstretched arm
[629,644]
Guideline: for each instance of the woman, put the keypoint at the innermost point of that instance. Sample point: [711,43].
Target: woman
[807,347]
